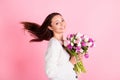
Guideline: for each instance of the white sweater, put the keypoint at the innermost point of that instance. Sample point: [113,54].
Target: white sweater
[58,66]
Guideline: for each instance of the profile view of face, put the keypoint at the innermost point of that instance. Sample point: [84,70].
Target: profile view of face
[57,24]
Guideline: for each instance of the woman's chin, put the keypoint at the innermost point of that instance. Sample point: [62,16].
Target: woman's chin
[61,32]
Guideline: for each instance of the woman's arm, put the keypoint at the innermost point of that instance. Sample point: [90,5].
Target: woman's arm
[51,59]
[52,67]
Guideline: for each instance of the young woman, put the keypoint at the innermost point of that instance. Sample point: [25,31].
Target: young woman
[59,64]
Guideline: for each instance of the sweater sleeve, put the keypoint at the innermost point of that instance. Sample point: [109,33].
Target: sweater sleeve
[51,58]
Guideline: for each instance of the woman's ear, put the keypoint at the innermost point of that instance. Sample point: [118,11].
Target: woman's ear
[49,27]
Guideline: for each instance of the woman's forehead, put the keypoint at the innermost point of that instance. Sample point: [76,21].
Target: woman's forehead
[57,18]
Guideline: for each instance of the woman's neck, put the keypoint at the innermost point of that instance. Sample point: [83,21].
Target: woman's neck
[58,37]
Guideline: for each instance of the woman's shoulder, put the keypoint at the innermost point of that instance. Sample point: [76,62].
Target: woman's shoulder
[54,42]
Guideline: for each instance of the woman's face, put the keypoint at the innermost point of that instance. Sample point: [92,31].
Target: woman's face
[57,24]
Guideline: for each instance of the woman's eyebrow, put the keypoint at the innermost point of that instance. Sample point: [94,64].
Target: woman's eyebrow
[60,19]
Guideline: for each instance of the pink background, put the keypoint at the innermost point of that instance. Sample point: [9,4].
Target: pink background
[100,19]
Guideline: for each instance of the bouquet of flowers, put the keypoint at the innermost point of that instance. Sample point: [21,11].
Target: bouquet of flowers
[77,44]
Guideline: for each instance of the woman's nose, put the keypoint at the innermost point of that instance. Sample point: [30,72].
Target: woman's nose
[61,23]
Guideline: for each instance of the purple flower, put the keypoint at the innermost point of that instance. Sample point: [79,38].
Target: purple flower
[82,37]
[78,49]
[70,36]
[83,43]
[91,40]
[92,44]
[69,47]
[86,55]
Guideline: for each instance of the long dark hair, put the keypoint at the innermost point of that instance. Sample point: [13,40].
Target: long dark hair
[42,32]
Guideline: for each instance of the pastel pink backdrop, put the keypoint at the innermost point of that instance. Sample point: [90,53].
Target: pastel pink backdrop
[100,19]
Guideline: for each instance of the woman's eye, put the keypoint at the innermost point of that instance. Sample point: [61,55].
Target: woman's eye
[57,23]
[63,20]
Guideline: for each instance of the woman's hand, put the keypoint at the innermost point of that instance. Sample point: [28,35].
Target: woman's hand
[72,60]
[80,56]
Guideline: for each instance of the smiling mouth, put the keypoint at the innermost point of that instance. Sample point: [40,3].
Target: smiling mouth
[63,27]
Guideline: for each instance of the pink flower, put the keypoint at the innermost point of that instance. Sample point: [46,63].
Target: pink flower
[81,50]
[69,47]
[91,40]
[70,36]
[77,41]
[78,35]
[92,44]
[86,55]
[78,49]
[66,42]
[83,43]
